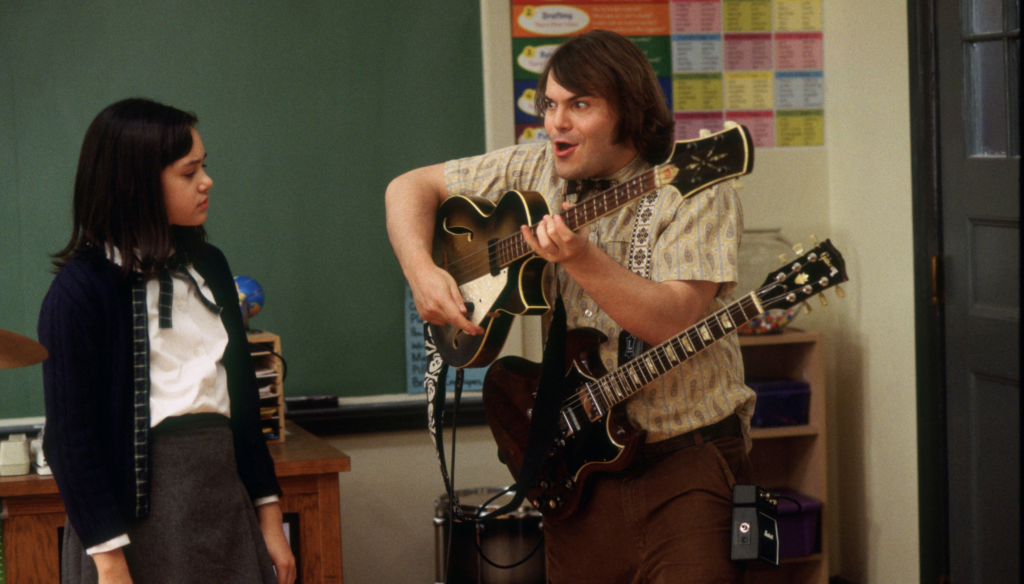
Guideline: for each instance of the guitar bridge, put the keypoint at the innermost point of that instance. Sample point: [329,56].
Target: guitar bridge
[590,404]
[568,424]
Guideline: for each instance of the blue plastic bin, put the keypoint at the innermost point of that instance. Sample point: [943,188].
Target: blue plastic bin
[780,402]
[798,527]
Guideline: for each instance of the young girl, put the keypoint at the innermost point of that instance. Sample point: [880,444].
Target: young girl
[152,412]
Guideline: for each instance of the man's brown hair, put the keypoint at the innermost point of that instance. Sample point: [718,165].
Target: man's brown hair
[610,66]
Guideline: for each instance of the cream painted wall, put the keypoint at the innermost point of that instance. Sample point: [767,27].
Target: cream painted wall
[867,127]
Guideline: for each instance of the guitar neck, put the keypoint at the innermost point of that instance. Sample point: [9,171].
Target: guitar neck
[822,268]
[514,247]
[617,386]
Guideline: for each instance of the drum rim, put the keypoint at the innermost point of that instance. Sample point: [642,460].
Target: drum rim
[526,508]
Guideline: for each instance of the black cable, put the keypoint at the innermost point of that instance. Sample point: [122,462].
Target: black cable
[284,364]
[799,507]
[480,509]
[264,347]
[451,497]
[448,546]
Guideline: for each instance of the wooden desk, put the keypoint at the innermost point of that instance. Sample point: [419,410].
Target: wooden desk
[307,469]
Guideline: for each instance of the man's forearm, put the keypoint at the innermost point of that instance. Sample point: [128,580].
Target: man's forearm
[411,203]
[652,311]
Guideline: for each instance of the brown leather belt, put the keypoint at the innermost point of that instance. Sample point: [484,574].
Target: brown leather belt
[729,426]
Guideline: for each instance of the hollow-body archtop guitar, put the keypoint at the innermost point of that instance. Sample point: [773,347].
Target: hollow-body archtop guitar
[479,242]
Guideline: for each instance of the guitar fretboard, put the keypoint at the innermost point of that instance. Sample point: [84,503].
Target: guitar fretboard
[514,247]
[615,387]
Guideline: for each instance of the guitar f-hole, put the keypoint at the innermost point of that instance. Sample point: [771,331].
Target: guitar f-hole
[455,230]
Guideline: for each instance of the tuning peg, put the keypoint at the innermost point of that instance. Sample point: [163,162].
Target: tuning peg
[824,301]
[798,249]
[814,240]
[704,132]
[729,124]
[840,293]
[783,258]
[807,307]
[736,184]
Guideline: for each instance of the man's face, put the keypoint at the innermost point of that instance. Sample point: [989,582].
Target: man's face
[582,133]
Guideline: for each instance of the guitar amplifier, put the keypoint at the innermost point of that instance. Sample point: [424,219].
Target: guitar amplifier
[755,530]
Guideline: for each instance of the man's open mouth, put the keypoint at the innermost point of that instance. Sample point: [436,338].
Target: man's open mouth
[561,146]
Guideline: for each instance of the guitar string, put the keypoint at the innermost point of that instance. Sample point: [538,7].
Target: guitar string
[621,374]
[577,400]
[625,381]
[478,263]
[720,139]
[601,200]
[515,245]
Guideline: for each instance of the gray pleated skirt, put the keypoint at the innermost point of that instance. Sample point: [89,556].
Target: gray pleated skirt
[201,526]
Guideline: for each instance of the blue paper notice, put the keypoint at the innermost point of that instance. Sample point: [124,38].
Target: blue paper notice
[416,356]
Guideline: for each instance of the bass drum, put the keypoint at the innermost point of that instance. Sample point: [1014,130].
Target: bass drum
[505,540]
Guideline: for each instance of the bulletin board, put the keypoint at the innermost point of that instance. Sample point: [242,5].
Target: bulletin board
[756,62]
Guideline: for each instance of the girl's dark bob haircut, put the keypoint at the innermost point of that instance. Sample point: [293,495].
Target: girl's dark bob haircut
[119,200]
[608,65]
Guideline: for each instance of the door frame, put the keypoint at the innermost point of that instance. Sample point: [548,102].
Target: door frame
[929,314]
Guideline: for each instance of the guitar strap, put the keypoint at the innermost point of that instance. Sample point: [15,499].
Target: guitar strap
[547,406]
[639,264]
[434,383]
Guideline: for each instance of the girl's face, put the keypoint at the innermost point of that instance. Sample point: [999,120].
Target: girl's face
[186,187]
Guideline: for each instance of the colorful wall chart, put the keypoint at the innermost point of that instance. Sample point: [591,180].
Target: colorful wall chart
[756,62]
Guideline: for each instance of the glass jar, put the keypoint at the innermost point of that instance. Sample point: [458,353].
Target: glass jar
[758,256]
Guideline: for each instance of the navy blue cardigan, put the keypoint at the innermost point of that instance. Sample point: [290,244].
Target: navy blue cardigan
[86,324]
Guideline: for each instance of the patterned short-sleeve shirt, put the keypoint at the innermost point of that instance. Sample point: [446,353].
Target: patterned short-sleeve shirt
[690,239]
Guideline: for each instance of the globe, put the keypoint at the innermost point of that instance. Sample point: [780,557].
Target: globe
[250,296]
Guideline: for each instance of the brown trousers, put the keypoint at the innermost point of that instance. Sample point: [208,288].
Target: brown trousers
[663,519]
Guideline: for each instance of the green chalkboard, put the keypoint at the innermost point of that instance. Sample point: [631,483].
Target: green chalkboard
[307,110]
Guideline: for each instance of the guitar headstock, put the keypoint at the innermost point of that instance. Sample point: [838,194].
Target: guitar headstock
[812,273]
[707,161]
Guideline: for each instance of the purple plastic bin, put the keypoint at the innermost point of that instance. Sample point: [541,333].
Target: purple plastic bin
[780,402]
[798,529]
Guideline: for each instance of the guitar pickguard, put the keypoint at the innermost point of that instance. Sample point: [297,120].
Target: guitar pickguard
[482,294]
[585,446]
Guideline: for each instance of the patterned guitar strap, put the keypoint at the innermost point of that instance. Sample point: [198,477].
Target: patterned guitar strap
[639,264]
[434,383]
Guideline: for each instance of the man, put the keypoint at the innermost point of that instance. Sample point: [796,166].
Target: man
[666,518]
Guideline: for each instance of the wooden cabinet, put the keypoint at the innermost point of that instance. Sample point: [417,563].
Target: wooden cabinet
[792,457]
[307,470]
[266,358]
